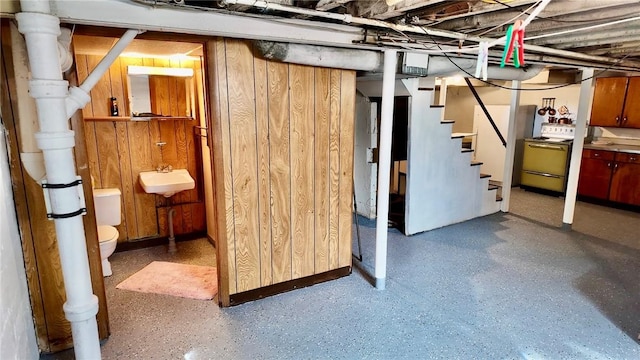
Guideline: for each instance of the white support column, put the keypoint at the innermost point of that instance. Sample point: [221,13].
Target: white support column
[584,107]
[384,169]
[511,146]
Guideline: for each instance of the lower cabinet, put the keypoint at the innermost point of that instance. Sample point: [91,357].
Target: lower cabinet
[625,181]
[608,175]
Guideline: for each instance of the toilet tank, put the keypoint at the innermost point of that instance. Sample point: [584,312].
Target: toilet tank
[107,205]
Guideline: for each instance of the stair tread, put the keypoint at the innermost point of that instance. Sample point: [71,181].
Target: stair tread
[498,198]
[435,106]
[493,187]
[466,150]
[482,176]
[476,163]
[425,89]
[447,121]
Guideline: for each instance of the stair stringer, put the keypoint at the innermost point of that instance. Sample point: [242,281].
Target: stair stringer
[442,186]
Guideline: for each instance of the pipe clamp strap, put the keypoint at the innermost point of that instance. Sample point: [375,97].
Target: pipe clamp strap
[61,186]
[78,212]
[47,200]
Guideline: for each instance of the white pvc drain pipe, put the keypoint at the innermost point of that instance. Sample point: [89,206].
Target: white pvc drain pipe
[56,140]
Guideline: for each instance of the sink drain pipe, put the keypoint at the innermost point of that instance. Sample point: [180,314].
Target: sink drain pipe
[172,239]
[56,140]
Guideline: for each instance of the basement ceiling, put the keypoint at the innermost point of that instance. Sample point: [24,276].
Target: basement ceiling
[608,31]
[98,45]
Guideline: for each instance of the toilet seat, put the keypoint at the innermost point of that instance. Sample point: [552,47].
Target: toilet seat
[107,233]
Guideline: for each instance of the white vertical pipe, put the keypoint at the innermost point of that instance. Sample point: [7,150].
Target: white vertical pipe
[584,107]
[56,142]
[510,151]
[384,169]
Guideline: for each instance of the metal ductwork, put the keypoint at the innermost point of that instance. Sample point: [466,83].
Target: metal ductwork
[409,64]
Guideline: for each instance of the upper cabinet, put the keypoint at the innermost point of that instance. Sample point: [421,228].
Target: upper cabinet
[616,102]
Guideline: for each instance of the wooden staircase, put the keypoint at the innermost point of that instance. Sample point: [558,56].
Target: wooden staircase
[444,184]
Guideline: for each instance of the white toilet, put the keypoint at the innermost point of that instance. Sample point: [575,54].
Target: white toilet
[107,206]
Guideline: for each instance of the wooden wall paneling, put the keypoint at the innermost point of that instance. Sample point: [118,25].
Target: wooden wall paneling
[177,220]
[9,118]
[141,160]
[82,69]
[264,181]
[127,181]
[301,84]
[321,161]
[101,92]
[174,83]
[193,149]
[279,171]
[334,169]
[244,162]
[198,216]
[187,218]
[163,224]
[124,157]
[49,268]
[347,120]
[168,136]
[108,161]
[89,126]
[182,156]
[221,154]
[155,150]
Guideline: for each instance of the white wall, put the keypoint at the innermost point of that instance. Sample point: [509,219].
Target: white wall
[17,334]
[460,100]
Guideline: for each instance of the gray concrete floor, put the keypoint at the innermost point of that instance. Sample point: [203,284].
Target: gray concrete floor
[506,286]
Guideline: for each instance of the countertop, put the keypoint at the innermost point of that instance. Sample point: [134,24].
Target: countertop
[634,149]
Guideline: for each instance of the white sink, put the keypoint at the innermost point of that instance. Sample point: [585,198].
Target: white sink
[166,183]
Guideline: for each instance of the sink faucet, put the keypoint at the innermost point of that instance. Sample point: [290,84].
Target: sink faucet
[162,168]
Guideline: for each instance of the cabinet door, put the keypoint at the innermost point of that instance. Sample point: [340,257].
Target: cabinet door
[608,100]
[625,183]
[595,176]
[631,113]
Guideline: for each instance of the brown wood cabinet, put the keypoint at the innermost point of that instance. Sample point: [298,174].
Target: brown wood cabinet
[616,102]
[612,176]
[595,173]
[625,181]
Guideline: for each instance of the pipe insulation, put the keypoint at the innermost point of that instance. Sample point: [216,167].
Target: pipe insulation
[372,61]
[325,56]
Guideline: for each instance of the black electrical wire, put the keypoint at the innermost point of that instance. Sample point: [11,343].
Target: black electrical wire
[521,89]
[514,8]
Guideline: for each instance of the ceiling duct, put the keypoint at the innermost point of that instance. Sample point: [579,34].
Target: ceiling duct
[410,64]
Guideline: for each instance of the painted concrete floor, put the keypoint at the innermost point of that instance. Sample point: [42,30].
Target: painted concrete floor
[506,286]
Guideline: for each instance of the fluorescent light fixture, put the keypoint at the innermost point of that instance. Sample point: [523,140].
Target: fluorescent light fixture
[150,70]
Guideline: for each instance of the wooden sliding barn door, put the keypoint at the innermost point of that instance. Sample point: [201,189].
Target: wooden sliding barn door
[283,159]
